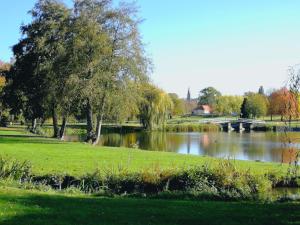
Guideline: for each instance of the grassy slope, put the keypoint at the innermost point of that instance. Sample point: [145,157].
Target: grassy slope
[49,156]
[28,207]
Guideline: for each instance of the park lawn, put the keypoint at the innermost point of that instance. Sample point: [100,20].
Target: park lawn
[32,207]
[13,131]
[49,156]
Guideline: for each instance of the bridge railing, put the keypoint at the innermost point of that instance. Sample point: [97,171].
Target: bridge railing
[223,121]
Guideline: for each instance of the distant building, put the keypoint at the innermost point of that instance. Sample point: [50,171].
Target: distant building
[188,99]
[190,103]
[202,110]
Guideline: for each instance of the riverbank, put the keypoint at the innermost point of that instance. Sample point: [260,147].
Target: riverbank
[177,124]
[131,186]
[50,156]
[122,170]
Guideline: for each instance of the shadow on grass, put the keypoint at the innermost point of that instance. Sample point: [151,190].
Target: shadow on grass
[48,209]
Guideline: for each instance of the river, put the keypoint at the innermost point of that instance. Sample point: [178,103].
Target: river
[254,146]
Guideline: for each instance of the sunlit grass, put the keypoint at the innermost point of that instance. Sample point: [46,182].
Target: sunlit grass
[49,156]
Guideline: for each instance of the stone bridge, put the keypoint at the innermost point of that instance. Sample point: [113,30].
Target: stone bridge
[238,125]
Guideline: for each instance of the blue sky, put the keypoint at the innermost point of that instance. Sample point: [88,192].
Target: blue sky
[233,45]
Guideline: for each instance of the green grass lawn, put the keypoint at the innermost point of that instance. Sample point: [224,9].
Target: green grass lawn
[49,156]
[31,207]
[13,131]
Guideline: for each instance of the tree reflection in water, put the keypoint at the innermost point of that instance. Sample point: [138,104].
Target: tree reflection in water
[245,146]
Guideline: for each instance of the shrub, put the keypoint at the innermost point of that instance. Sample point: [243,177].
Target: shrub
[223,181]
[192,128]
[13,169]
[3,121]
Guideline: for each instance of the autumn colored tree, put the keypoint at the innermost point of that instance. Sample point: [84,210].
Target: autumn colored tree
[290,105]
[284,103]
[4,67]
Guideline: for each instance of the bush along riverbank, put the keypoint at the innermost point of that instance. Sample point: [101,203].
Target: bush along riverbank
[221,182]
[192,128]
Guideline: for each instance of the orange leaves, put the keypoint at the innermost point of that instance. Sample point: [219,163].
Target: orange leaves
[2,82]
[285,103]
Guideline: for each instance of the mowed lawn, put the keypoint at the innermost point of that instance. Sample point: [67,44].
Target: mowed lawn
[31,207]
[49,156]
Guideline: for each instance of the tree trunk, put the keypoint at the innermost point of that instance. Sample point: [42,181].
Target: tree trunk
[63,128]
[98,129]
[271,117]
[89,124]
[33,126]
[55,123]
[99,122]
[43,122]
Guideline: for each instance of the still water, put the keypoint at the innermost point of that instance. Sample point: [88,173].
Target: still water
[267,147]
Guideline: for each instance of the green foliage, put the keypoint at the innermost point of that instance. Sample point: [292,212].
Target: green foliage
[228,105]
[254,106]
[13,169]
[178,105]
[261,90]
[244,111]
[208,96]
[89,58]
[221,182]
[187,127]
[38,79]
[155,107]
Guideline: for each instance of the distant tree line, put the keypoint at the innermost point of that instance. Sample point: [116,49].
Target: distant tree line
[283,102]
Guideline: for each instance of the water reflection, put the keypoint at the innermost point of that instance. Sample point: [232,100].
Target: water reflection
[268,147]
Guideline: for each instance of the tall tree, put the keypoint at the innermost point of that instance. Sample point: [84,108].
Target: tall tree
[228,105]
[244,111]
[178,105]
[114,58]
[261,90]
[208,96]
[39,76]
[254,105]
[4,68]
[284,103]
[155,107]
[53,19]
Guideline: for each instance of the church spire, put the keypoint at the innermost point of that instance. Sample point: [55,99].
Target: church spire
[188,95]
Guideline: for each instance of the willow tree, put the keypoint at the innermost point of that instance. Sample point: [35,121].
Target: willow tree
[155,107]
[111,58]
